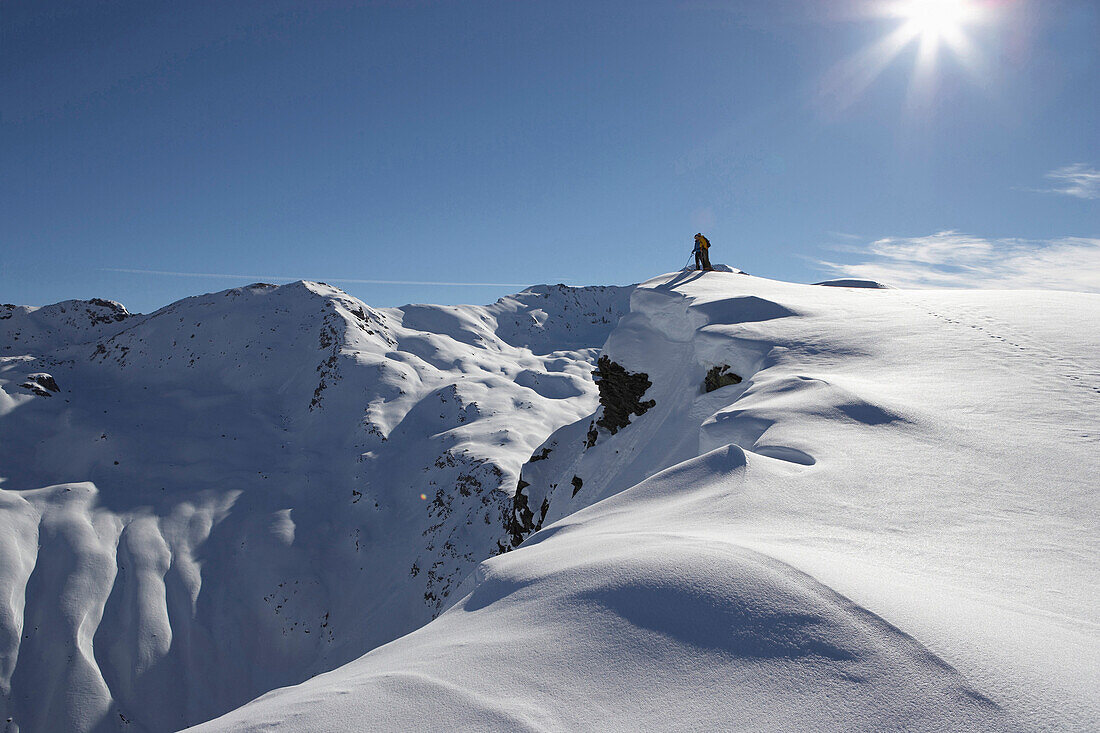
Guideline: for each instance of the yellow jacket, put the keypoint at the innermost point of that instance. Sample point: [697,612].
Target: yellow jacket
[702,241]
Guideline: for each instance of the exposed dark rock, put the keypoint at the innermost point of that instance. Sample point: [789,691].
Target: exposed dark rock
[719,377]
[521,522]
[540,456]
[577,484]
[329,339]
[45,380]
[465,489]
[41,384]
[619,394]
[115,311]
[592,436]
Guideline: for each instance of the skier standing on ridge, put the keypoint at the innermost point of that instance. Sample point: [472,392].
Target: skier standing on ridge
[702,257]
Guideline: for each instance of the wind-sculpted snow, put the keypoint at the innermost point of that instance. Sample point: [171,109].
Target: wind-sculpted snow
[617,621]
[889,523]
[545,318]
[250,487]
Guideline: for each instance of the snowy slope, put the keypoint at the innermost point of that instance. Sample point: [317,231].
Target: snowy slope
[224,497]
[890,523]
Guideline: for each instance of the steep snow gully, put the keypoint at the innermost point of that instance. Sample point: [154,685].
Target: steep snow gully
[882,517]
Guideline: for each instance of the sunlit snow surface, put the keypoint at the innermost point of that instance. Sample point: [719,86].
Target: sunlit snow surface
[890,524]
[224,496]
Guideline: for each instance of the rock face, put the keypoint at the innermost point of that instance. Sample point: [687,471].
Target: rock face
[41,384]
[718,377]
[620,398]
[247,488]
[620,394]
[521,521]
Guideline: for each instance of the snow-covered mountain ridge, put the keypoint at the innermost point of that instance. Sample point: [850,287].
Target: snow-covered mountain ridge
[784,507]
[224,496]
[889,523]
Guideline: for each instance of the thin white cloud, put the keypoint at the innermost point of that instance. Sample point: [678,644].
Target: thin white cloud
[951,259]
[278,278]
[1077,180]
[847,236]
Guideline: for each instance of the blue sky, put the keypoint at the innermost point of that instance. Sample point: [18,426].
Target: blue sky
[490,145]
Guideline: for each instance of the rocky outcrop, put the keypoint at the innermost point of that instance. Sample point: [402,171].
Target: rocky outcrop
[41,384]
[521,521]
[718,377]
[106,311]
[620,393]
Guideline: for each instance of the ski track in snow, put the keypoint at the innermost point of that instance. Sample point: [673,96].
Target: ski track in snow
[1022,346]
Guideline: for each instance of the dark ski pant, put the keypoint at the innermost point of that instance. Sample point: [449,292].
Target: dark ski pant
[702,260]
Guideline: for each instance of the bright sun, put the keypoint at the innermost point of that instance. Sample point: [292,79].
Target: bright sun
[933,26]
[936,19]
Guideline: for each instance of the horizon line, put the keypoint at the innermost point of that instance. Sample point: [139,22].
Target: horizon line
[261,278]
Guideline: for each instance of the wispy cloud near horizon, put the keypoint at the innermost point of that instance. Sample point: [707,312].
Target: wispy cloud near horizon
[1078,180]
[951,259]
[280,278]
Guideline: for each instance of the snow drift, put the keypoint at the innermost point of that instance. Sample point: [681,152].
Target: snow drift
[888,523]
[225,496]
[776,507]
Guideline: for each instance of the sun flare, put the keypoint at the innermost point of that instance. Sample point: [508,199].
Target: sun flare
[935,19]
[935,27]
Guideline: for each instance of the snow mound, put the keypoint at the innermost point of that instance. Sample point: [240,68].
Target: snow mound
[547,317]
[861,534]
[887,520]
[649,628]
[249,487]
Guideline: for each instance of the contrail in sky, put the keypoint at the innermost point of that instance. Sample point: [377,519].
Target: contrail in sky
[271,278]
